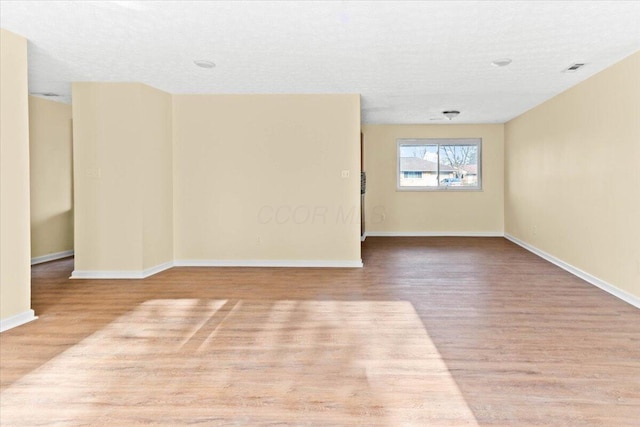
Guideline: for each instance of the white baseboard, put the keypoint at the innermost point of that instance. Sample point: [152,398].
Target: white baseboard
[267,263]
[51,257]
[106,274]
[434,234]
[157,269]
[607,287]
[17,320]
[115,274]
[133,274]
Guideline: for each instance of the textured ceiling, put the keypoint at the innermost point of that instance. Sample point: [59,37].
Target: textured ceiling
[408,60]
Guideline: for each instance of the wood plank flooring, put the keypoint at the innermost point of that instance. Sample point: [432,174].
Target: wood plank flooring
[431,332]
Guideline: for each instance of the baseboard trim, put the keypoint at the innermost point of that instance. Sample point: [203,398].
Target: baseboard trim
[133,274]
[607,287]
[157,269]
[51,257]
[106,274]
[17,320]
[267,263]
[434,234]
[114,274]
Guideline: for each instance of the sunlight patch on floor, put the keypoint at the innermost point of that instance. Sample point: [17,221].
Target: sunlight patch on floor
[247,362]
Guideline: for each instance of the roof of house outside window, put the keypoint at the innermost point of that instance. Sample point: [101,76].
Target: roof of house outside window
[416,164]
[471,169]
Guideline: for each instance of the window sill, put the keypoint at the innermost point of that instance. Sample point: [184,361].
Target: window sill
[440,189]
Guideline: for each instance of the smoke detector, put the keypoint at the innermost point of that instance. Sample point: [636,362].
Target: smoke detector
[202,63]
[503,62]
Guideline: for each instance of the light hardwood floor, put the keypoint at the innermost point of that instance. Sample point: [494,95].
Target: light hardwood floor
[432,331]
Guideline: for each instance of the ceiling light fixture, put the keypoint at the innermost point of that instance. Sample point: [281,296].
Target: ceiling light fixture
[501,62]
[450,114]
[202,63]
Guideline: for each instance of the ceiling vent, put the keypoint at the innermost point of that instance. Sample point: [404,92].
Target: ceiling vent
[573,68]
[47,94]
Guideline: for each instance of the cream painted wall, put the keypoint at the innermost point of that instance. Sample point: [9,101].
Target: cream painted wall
[573,176]
[157,178]
[107,188]
[258,177]
[122,175]
[15,251]
[392,211]
[50,152]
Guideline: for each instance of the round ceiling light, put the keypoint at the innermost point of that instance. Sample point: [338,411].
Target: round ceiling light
[202,63]
[501,62]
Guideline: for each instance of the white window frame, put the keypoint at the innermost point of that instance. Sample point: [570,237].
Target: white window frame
[439,141]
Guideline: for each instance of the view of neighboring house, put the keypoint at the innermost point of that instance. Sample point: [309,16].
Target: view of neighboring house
[419,172]
[469,174]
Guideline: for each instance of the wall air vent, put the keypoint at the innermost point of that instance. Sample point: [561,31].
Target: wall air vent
[573,68]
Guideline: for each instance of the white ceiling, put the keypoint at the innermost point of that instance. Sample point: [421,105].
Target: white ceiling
[408,60]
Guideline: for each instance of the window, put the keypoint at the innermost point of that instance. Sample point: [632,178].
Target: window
[439,164]
[412,174]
